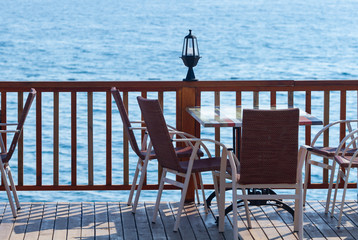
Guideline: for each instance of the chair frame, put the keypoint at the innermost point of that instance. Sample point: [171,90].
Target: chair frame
[6,155]
[144,153]
[298,197]
[343,173]
[328,166]
[170,161]
[234,164]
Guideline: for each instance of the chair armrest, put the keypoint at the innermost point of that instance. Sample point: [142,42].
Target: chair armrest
[137,128]
[200,142]
[137,122]
[325,128]
[9,131]
[8,124]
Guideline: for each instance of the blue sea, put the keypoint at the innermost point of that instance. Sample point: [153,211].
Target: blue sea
[112,40]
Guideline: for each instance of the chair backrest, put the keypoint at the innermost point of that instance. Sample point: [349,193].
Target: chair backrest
[126,123]
[20,124]
[269,146]
[159,134]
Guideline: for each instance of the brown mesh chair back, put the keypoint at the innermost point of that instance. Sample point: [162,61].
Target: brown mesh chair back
[126,123]
[158,132]
[20,125]
[269,146]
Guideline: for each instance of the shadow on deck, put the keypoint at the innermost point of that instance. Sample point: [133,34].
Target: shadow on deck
[113,220]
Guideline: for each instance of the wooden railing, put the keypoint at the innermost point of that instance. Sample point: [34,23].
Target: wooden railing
[307,94]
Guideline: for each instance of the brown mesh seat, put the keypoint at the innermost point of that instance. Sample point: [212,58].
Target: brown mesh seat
[269,158]
[143,155]
[326,152]
[168,159]
[6,155]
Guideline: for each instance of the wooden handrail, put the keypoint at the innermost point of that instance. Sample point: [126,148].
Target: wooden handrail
[186,94]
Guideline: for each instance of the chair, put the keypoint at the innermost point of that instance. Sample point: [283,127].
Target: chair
[269,158]
[346,161]
[163,146]
[143,155]
[325,152]
[6,155]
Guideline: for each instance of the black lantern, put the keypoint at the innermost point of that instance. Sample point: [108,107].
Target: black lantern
[190,55]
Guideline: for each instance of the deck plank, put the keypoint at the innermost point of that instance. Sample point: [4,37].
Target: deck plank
[87,221]
[115,221]
[281,227]
[310,230]
[256,231]
[48,221]
[7,223]
[61,221]
[2,210]
[143,228]
[351,211]
[185,229]
[264,223]
[228,234]
[129,225]
[210,224]
[21,222]
[167,219]
[347,229]
[196,222]
[342,232]
[34,223]
[157,229]
[321,224]
[101,220]
[74,220]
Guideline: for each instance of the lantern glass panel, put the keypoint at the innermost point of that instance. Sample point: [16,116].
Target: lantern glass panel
[190,48]
[196,49]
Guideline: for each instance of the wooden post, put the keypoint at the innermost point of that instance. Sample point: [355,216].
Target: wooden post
[186,97]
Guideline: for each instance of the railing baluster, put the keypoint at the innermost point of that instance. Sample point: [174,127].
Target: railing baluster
[20,147]
[290,98]
[38,139]
[256,99]
[125,146]
[308,110]
[236,131]
[108,138]
[217,129]
[90,136]
[161,101]
[273,98]
[326,100]
[73,139]
[343,113]
[56,137]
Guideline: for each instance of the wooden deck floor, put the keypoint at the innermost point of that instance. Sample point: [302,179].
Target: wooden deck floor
[114,220]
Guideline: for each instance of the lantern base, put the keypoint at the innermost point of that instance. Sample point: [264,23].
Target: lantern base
[190,76]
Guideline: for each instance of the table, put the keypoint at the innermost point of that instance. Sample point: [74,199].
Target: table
[231,116]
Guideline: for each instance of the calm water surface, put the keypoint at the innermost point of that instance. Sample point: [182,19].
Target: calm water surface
[108,40]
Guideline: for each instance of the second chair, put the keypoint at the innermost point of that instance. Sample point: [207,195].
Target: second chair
[164,149]
[143,154]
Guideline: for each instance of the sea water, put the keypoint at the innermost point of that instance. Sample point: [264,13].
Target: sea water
[112,40]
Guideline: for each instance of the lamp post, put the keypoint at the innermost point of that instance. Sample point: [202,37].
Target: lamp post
[190,55]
